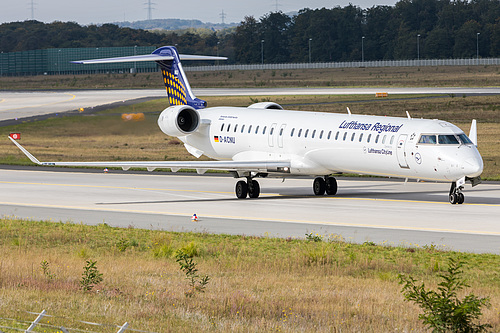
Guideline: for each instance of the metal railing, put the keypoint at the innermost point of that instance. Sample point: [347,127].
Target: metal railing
[352,64]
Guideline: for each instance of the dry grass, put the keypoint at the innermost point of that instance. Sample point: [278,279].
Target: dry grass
[106,137]
[257,284]
[456,76]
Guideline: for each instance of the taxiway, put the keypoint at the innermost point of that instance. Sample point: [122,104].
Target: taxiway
[365,210]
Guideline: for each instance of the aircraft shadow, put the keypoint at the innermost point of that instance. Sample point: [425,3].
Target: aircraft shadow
[298,193]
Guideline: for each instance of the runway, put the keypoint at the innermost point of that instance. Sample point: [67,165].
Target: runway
[19,105]
[379,211]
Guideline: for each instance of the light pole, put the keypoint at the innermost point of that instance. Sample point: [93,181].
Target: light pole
[418,47]
[477,46]
[218,52]
[310,39]
[262,52]
[135,63]
[363,49]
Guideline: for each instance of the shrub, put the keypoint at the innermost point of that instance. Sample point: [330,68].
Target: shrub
[443,311]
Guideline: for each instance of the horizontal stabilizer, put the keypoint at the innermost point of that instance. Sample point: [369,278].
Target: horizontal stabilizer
[146,57]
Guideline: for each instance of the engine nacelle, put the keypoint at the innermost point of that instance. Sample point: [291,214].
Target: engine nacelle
[179,120]
[266,105]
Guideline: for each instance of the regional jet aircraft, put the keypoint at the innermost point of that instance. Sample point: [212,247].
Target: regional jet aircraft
[263,140]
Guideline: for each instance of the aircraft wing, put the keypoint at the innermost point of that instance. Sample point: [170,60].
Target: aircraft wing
[200,166]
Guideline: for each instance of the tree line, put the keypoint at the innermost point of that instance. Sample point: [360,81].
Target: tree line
[411,29]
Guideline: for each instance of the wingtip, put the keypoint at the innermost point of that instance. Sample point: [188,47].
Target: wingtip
[25,152]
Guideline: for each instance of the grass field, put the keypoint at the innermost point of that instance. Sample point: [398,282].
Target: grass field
[104,136]
[443,76]
[256,284]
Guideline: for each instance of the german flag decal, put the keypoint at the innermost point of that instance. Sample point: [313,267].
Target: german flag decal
[216,138]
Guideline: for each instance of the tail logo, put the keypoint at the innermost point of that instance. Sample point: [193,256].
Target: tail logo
[175,89]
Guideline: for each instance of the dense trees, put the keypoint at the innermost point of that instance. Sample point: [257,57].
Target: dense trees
[427,28]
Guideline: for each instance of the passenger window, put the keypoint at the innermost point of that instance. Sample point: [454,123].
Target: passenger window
[376,138]
[257,129]
[272,131]
[321,135]
[314,133]
[345,135]
[249,129]
[392,139]
[300,132]
[352,137]
[427,139]
[360,137]
[447,140]
[329,135]
[281,132]
[337,136]
[242,128]
[235,128]
[228,127]
[293,130]
[222,127]
[307,131]
[383,140]
[264,130]
[369,137]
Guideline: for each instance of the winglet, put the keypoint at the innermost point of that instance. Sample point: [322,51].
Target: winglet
[27,153]
[473,132]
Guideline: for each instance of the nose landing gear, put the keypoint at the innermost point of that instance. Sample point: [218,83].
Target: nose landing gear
[456,196]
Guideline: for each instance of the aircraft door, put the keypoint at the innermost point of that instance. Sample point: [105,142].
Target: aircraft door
[272,134]
[401,151]
[281,133]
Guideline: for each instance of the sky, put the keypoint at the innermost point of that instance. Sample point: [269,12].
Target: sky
[87,12]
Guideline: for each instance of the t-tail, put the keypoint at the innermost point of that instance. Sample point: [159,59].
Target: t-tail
[178,89]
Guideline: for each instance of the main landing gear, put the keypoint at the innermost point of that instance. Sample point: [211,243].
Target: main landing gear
[250,187]
[326,184]
[456,196]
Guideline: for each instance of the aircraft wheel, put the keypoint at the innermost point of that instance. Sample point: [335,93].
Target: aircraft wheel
[453,198]
[254,190]
[319,186]
[331,186]
[241,189]
[461,198]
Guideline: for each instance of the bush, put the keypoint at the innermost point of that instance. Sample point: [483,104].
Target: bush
[443,311]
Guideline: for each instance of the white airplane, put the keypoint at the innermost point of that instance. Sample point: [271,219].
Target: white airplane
[263,140]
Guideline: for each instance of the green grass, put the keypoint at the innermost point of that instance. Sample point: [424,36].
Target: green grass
[257,284]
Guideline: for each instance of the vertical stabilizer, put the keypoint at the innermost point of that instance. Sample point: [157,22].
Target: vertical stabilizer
[473,132]
[178,88]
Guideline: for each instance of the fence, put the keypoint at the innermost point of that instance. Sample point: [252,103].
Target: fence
[58,61]
[31,325]
[353,64]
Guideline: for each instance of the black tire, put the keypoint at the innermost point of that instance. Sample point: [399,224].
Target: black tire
[461,198]
[331,186]
[319,186]
[241,189]
[255,189]
[453,198]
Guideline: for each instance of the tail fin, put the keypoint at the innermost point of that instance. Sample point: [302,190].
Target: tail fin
[178,89]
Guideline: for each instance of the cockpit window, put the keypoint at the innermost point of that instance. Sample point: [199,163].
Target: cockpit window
[465,139]
[427,139]
[448,140]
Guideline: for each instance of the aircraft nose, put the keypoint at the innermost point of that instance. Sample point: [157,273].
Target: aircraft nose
[473,167]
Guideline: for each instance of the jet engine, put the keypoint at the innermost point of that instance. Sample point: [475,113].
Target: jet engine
[266,105]
[179,120]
